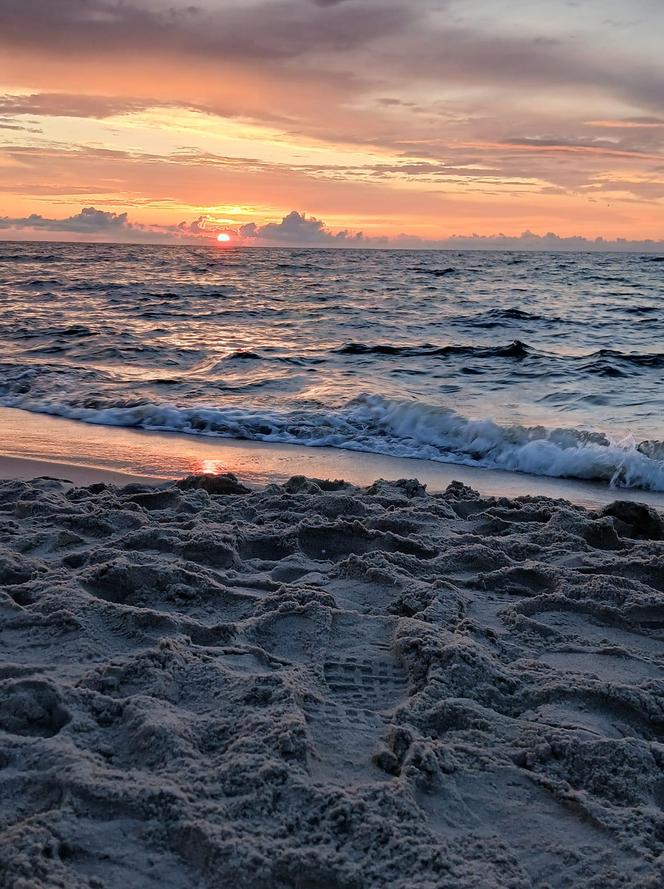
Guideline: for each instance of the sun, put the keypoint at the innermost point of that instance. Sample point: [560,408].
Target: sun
[223,238]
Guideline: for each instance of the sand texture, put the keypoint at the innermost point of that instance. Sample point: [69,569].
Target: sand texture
[315,686]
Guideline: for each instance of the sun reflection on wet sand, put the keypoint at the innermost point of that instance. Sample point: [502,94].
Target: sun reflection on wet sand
[211,467]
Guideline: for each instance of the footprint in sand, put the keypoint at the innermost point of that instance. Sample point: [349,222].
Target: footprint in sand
[362,692]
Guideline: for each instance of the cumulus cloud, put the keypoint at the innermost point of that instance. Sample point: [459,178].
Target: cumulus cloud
[532,242]
[200,226]
[297,228]
[89,221]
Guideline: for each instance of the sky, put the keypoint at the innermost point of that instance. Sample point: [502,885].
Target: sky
[340,122]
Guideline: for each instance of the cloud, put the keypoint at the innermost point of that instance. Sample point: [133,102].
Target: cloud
[423,196]
[486,57]
[89,221]
[528,241]
[251,29]
[358,42]
[486,97]
[68,105]
[200,226]
[299,230]
[573,146]
[17,127]
[629,123]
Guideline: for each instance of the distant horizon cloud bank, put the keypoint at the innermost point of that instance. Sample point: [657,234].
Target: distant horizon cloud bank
[296,229]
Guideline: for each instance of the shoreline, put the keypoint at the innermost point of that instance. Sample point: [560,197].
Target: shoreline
[38,444]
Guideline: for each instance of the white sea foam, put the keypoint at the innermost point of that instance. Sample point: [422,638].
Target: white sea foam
[393,427]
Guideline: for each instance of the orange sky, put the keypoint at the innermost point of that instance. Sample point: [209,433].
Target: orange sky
[433,118]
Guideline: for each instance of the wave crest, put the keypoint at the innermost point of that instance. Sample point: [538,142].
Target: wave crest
[515,349]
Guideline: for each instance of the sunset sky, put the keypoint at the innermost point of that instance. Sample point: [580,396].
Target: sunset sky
[179,119]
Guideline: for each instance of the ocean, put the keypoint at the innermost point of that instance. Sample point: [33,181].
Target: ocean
[544,363]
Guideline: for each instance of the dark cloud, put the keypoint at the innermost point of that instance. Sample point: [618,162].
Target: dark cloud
[421,41]
[472,56]
[88,221]
[256,29]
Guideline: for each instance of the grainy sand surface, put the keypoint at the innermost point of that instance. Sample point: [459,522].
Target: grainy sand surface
[316,686]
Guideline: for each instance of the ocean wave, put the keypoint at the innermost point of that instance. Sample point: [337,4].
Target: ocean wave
[503,317]
[436,273]
[515,349]
[636,359]
[394,427]
[603,361]
[635,310]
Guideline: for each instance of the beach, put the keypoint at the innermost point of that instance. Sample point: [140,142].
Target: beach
[233,655]
[331,444]
[208,683]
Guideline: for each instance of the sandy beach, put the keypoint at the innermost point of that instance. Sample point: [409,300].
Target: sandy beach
[318,685]
[331,444]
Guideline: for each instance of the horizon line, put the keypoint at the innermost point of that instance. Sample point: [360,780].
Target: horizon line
[605,248]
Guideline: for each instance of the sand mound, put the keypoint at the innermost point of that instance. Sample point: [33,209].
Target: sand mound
[320,687]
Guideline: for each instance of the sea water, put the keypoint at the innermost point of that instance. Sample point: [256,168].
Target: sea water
[546,363]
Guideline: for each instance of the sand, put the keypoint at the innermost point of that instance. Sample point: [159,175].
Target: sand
[316,686]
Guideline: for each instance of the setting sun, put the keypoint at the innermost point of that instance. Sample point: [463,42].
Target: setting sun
[223,238]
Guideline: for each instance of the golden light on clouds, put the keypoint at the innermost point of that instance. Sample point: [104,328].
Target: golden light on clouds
[393,118]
